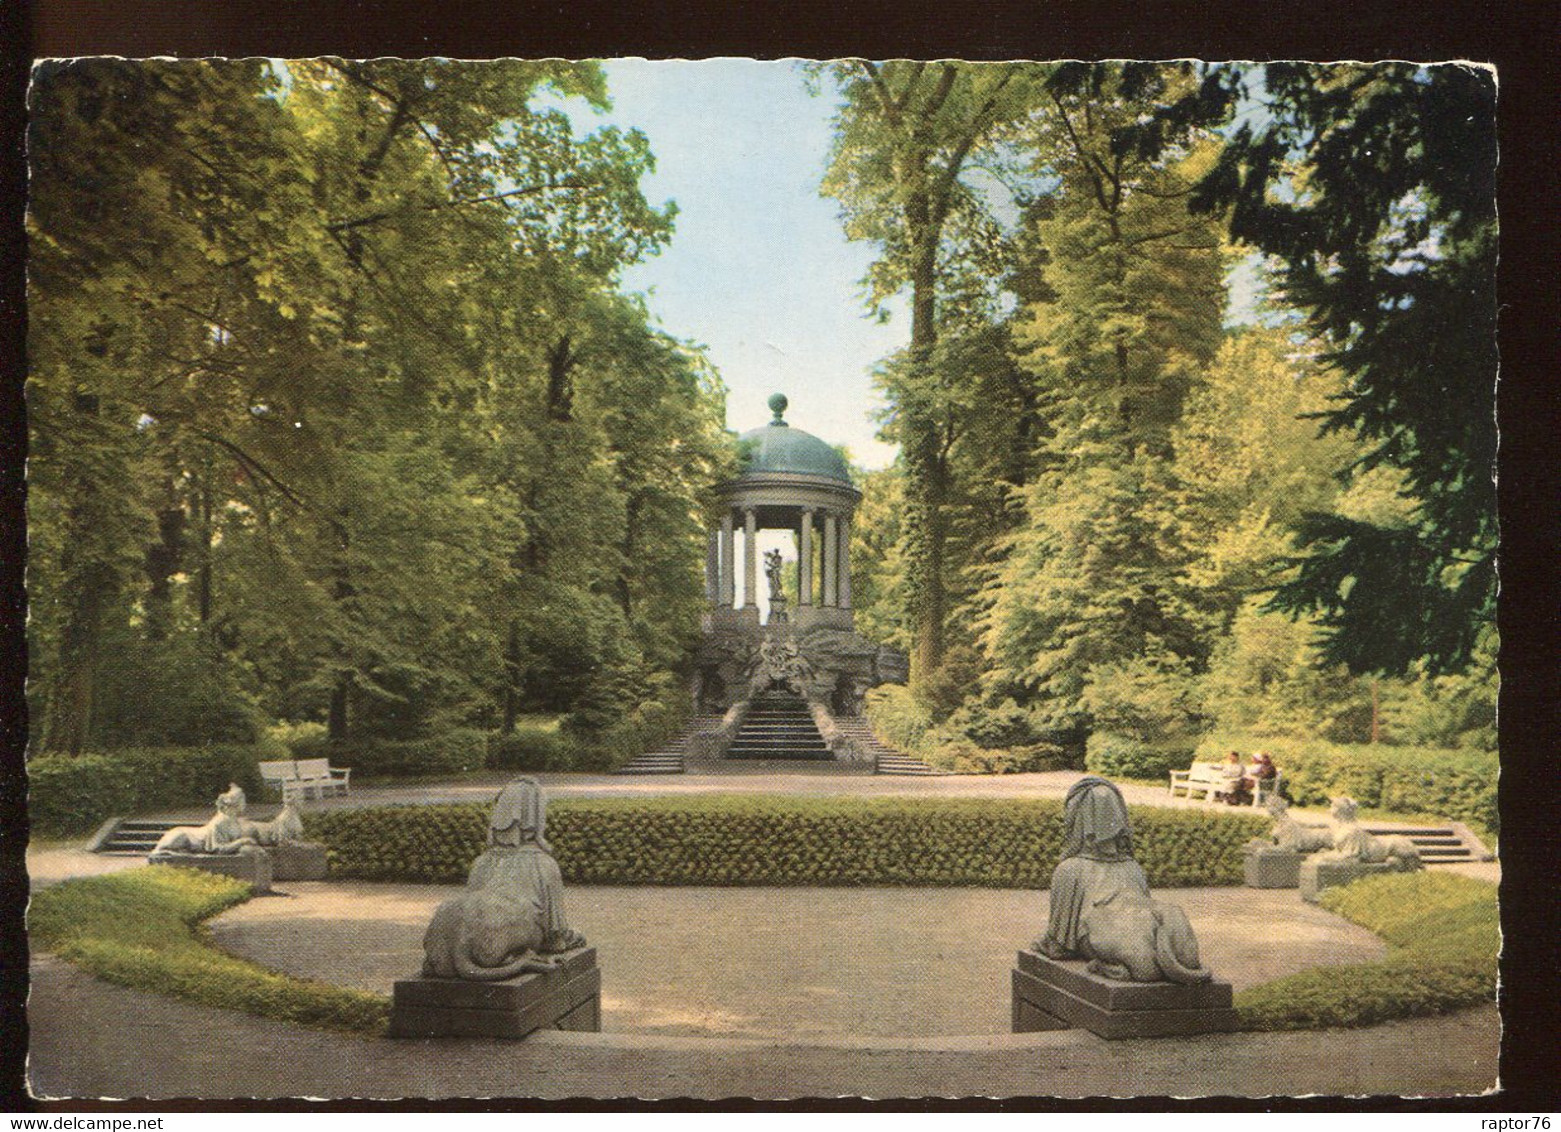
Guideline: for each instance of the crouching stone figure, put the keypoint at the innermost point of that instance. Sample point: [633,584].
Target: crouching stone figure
[226,832]
[510,920]
[1353,843]
[1101,909]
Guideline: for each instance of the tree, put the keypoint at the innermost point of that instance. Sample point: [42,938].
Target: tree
[1374,187]
[285,335]
[906,139]
[1092,587]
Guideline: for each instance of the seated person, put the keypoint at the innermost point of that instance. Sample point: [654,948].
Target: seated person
[1234,775]
[1261,770]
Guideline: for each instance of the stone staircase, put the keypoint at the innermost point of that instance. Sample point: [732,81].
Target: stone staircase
[131,837]
[1448,843]
[670,759]
[886,760]
[779,726]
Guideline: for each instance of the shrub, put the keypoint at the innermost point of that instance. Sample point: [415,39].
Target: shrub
[182,691]
[531,746]
[897,718]
[782,840]
[1443,932]
[69,794]
[1122,756]
[645,728]
[1460,785]
[141,929]
[449,753]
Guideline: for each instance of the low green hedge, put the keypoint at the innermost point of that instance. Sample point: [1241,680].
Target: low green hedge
[1460,785]
[451,752]
[1444,936]
[72,794]
[142,928]
[782,840]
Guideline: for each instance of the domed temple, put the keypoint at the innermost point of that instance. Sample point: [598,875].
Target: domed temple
[806,654]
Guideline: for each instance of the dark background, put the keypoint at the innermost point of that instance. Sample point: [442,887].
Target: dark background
[1519,37]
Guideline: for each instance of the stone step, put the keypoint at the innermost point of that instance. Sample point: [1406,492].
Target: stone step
[135,838]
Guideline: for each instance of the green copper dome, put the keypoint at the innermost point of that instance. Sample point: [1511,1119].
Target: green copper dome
[779,449]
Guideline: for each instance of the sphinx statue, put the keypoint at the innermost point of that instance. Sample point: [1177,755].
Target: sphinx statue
[1288,833]
[227,832]
[510,920]
[1101,910]
[1352,842]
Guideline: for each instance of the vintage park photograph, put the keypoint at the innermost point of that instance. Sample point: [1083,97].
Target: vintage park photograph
[761,579]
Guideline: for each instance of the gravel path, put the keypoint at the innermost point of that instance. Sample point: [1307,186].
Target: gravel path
[90,1039]
[793,963]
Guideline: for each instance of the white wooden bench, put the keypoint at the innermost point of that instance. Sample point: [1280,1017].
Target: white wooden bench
[1207,779]
[305,778]
[1199,780]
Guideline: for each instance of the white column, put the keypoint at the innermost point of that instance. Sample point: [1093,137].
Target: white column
[845,562]
[805,560]
[750,559]
[830,558]
[713,567]
[728,562]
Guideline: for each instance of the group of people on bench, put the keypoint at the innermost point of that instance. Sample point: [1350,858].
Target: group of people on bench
[1242,781]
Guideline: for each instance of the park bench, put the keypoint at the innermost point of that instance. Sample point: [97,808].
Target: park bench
[305,778]
[1206,779]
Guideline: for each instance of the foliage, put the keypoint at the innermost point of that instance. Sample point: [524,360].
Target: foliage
[141,929]
[1457,785]
[333,389]
[72,795]
[908,139]
[1443,933]
[781,840]
[450,752]
[1373,186]
[1124,756]
[532,745]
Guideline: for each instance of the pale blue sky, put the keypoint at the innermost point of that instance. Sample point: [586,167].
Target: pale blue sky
[758,269]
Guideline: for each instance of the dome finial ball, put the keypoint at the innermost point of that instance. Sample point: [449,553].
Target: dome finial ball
[778,405]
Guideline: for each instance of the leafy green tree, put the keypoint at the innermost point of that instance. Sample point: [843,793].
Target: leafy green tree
[1374,188]
[908,137]
[292,328]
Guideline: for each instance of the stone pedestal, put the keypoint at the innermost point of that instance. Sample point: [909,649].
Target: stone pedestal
[253,867]
[298,860]
[1317,875]
[1051,994]
[1269,866]
[568,998]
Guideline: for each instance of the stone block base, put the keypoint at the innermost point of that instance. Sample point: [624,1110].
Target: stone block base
[253,867]
[569,998]
[1051,994]
[298,860]
[1317,875]
[1273,867]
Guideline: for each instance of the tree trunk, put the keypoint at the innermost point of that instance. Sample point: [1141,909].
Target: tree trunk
[511,698]
[68,714]
[925,501]
[336,720]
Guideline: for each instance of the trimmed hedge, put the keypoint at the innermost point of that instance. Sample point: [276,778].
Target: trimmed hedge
[72,794]
[1444,936]
[1460,785]
[141,928]
[729,840]
[451,752]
